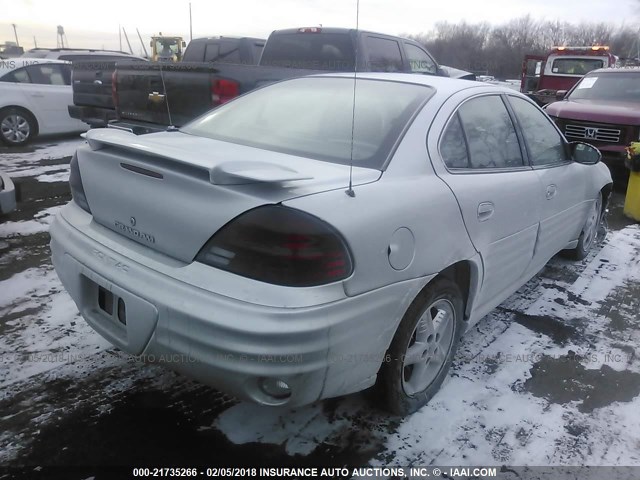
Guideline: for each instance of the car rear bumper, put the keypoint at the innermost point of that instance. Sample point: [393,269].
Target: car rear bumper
[94,116]
[320,351]
[7,194]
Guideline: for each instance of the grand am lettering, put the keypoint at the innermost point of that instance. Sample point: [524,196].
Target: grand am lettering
[135,232]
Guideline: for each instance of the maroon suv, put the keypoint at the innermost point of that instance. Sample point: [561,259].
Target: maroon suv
[603,109]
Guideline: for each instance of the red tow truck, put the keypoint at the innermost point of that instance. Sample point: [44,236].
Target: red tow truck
[544,75]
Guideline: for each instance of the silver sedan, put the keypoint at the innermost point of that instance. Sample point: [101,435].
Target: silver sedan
[288,246]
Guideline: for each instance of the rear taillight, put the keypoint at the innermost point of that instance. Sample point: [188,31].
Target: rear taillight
[223,90]
[75,184]
[114,89]
[279,245]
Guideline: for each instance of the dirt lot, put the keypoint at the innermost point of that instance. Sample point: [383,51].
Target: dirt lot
[551,377]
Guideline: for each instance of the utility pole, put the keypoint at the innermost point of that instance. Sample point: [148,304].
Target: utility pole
[120,36]
[15,32]
[35,42]
[190,24]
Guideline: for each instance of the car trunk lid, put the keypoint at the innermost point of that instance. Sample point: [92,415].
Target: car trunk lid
[172,191]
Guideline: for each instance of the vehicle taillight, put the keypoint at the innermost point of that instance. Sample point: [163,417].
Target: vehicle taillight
[75,184]
[310,30]
[114,88]
[279,245]
[223,90]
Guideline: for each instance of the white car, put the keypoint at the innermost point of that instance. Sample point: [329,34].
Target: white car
[283,254]
[34,96]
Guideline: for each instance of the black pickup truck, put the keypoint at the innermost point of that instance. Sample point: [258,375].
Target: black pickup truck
[93,91]
[152,97]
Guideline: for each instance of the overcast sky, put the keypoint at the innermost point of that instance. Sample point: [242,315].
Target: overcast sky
[95,24]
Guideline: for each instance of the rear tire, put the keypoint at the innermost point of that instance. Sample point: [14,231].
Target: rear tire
[422,349]
[590,232]
[17,126]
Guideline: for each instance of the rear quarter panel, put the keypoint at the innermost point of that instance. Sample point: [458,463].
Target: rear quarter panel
[408,195]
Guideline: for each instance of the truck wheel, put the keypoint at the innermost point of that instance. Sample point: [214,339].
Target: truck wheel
[422,349]
[17,126]
[590,231]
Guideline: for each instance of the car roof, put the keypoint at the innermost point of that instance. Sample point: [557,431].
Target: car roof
[56,52]
[444,85]
[14,63]
[617,70]
[335,30]
[226,37]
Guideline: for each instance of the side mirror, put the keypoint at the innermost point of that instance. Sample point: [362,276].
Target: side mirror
[184,44]
[560,94]
[584,153]
[441,72]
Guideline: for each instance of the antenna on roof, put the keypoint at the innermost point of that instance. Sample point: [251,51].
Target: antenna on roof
[171,126]
[350,191]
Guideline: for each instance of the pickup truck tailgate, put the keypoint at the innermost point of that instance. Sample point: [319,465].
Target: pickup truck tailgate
[142,95]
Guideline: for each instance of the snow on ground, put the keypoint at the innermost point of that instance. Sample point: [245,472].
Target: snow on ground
[40,223]
[492,417]
[34,162]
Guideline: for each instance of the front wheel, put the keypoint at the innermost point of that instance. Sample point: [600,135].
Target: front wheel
[590,231]
[423,348]
[17,126]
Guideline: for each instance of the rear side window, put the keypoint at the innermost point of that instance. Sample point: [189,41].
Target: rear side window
[50,74]
[490,134]
[453,146]
[544,143]
[317,51]
[384,55]
[19,75]
[419,60]
[312,117]
[223,51]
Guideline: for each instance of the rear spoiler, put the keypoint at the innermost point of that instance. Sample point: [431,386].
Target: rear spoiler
[220,173]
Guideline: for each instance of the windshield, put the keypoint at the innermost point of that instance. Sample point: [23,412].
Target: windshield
[317,51]
[620,86]
[311,117]
[167,46]
[576,66]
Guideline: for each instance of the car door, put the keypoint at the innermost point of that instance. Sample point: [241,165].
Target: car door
[562,182]
[50,89]
[14,89]
[497,193]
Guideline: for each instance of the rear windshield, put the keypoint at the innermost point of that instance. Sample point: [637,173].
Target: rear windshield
[576,66]
[317,51]
[623,87]
[312,117]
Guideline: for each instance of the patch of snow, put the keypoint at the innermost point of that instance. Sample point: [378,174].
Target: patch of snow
[40,223]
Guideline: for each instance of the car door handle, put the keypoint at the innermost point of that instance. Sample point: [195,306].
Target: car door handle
[485,211]
[551,191]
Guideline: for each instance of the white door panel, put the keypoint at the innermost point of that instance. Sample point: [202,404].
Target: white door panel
[562,190]
[505,239]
